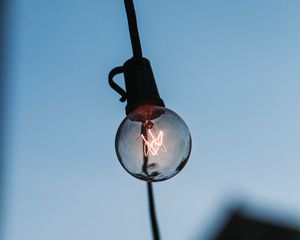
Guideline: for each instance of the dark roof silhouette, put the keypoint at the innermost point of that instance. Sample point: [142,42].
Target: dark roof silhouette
[240,226]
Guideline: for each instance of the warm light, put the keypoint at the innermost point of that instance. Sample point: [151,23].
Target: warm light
[154,145]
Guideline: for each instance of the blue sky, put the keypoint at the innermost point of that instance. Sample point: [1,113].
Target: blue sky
[229,68]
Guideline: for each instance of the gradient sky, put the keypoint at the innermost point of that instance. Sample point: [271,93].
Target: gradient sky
[231,69]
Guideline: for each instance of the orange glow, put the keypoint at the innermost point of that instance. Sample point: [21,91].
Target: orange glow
[155,144]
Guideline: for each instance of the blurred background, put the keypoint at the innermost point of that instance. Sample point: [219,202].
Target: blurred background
[230,69]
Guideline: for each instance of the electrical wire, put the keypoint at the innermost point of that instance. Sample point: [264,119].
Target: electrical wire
[154,224]
[133,29]
[137,53]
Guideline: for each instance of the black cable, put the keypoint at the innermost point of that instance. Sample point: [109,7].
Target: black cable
[154,224]
[133,29]
[137,53]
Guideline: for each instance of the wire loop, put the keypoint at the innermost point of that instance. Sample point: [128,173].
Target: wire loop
[114,86]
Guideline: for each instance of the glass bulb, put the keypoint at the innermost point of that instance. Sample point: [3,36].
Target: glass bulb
[153,143]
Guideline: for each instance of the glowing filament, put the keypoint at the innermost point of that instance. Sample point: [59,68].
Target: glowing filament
[155,144]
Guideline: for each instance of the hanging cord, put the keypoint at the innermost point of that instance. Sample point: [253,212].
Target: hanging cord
[136,47]
[133,29]
[137,53]
[154,224]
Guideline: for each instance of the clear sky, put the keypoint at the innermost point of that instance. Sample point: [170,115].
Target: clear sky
[231,69]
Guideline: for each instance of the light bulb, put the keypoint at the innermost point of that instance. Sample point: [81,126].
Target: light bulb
[153,143]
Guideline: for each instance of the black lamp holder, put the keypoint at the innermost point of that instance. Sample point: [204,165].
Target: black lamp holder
[139,79]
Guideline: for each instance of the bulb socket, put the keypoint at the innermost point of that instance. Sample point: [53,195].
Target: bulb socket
[140,84]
